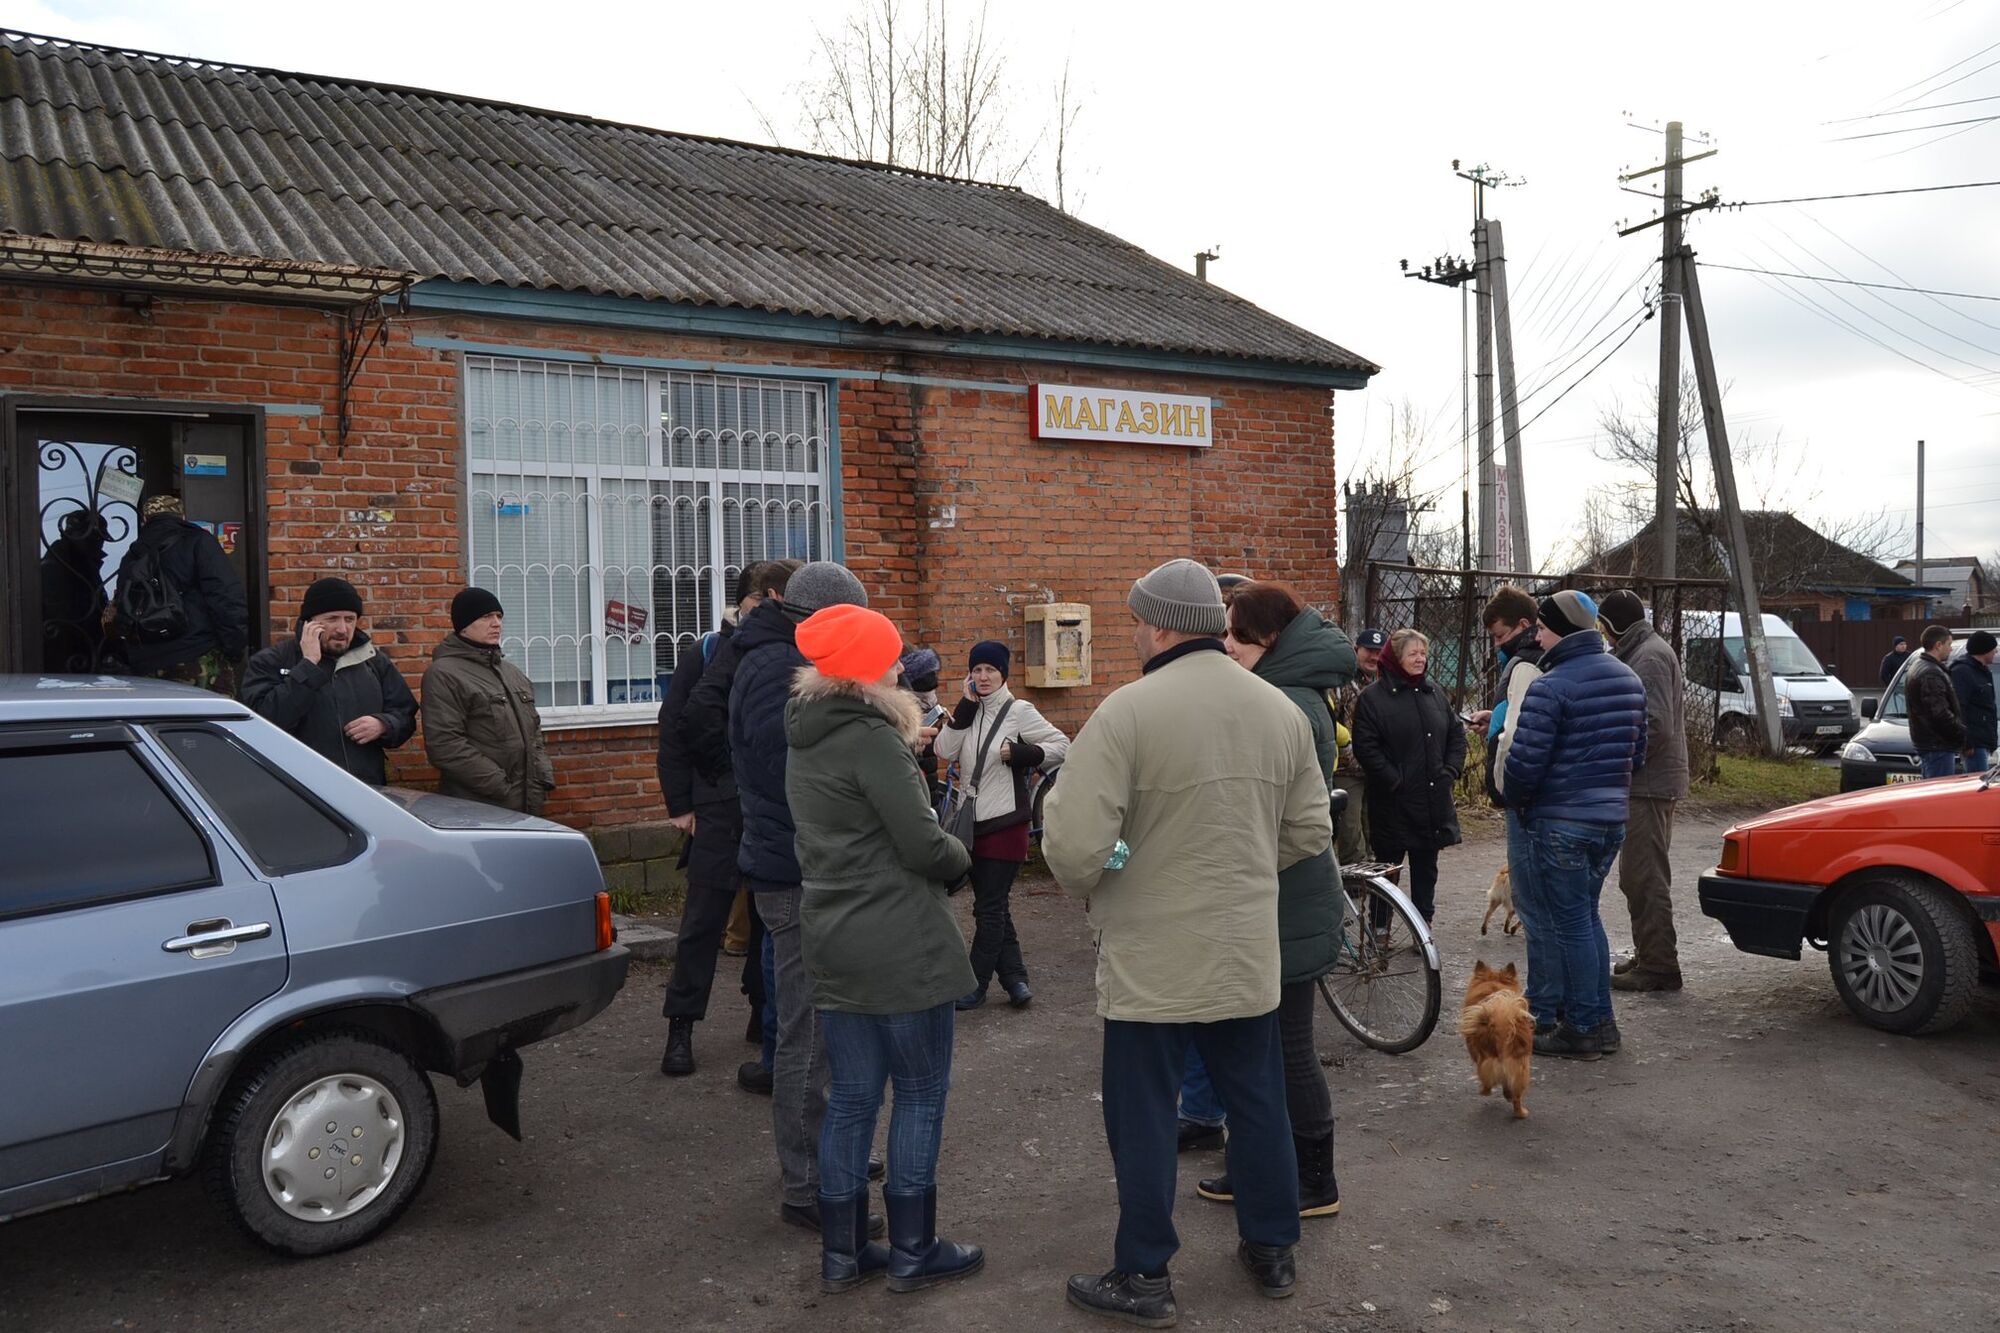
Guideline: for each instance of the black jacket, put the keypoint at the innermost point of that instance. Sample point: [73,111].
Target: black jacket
[1935,720]
[766,661]
[315,701]
[1974,683]
[1412,749]
[1892,662]
[218,610]
[704,720]
[682,782]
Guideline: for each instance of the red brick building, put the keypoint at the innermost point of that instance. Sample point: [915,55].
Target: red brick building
[422,341]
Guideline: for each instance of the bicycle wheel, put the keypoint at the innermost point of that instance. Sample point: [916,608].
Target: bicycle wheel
[1385,987]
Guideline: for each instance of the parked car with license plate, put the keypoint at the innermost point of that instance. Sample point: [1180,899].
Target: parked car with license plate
[1900,885]
[1815,709]
[220,952]
[1881,752]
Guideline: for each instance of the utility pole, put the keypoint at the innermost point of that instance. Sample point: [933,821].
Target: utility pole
[1510,417]
[1446,271]
[1925,604]
[1742,576]
[1203,259]
[1483,177]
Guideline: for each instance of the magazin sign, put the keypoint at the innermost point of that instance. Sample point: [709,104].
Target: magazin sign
[1120,416]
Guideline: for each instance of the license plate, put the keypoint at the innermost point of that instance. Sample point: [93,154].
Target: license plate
[1904,777]
[1828,731]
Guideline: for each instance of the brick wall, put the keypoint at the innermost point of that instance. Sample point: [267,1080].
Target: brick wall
[955,517]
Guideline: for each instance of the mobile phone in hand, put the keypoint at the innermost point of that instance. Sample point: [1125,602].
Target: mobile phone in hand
[936,715]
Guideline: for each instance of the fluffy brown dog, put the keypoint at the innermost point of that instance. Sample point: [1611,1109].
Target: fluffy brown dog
[1499,896]
[1499,1032]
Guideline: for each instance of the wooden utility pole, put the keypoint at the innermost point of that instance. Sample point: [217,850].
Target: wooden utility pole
[1510,417]
[1742,574]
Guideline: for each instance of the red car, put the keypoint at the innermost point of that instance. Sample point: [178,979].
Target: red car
[1900,886]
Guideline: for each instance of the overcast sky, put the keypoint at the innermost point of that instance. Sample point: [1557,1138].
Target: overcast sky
[1314,143]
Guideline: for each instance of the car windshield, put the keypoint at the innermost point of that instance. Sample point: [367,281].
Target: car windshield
[1789,656]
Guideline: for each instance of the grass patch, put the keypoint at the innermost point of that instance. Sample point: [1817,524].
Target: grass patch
[1757,782]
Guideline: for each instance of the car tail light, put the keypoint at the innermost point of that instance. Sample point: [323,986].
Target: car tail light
[1732,856]
[607,934]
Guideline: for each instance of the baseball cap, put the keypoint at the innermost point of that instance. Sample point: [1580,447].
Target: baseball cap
[1372,638]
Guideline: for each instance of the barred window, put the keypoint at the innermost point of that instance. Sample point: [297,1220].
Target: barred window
[611,510]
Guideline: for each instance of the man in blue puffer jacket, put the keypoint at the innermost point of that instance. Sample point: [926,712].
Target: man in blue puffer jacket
[1580,734]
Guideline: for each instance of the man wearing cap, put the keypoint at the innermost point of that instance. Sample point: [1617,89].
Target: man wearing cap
[1579,734]
[1353,847]
[1937,723]
[1972,677]
[1892,661]
[481,730]
[736,717]
[1187,925]
[331,687]
[1645,872]
[207,640]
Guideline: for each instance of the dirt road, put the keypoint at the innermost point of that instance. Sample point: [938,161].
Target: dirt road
[1754,1159]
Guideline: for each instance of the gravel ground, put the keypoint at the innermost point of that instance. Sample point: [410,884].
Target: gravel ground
[1754,1160]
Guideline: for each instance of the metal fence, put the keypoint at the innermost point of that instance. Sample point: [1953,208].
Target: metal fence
[1445,604]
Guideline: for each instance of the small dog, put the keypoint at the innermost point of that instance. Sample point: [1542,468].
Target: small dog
[1499,896]
[1499,1032]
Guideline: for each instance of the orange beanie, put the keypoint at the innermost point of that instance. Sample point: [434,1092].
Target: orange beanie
[850,643]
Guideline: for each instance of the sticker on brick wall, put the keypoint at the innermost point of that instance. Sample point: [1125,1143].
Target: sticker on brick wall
[371,516]
[205,465]
[1121,416]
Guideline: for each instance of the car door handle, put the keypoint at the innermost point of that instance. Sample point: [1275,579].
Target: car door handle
[212,939]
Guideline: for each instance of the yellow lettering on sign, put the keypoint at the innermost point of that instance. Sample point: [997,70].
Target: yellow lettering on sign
[1149,415]
[1198,421]
[1086,415]
[1058,413]
[1126,422]
[1104,406]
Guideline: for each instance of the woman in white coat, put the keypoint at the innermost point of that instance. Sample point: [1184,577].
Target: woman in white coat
[1016,740]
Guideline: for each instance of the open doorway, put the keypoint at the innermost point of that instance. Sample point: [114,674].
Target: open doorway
[75,474]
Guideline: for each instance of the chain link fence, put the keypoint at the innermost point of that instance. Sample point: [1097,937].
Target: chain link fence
[1444,604]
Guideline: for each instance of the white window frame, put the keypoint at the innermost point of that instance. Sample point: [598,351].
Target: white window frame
[710,483]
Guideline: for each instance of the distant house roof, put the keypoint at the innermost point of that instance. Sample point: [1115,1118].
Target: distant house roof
[1787,555]
[1963,580]
[129,148]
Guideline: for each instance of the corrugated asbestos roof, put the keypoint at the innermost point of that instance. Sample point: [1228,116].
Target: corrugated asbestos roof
[111,146]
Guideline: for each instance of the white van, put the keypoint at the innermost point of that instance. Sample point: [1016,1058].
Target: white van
[1815,708]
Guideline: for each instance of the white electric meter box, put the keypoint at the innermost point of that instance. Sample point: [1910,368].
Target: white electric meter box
[1058,645]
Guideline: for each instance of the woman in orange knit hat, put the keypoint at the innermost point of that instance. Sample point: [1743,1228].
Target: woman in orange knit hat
[885,952]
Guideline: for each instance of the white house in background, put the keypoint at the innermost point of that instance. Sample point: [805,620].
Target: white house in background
[1971,584]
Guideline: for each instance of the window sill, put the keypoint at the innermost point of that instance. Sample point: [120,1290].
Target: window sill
[636,715]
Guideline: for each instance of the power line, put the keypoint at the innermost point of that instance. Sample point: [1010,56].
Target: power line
[1637,324]
[1913,129]
[1814,307]
[1968,318]
[1918,147]
[1863,194]
[1912,111]
[1849,282]
[1931,92]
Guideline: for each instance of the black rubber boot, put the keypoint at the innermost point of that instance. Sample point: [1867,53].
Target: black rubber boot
[1270,1267]
[678,1061]
[917,1258]
[846,1258]
[1319,1194]
[1145,1301]
[806,1216]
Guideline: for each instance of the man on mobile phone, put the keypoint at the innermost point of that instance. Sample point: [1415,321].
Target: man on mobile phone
[332,687]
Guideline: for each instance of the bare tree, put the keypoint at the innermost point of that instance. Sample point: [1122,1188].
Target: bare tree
[1068,109]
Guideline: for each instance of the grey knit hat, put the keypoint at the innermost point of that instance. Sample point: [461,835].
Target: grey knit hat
[822,584]
[1181,596]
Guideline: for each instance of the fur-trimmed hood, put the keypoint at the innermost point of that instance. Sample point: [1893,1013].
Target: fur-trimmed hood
[822,704]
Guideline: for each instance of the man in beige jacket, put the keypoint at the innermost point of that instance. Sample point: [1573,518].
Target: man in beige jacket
[1207,774]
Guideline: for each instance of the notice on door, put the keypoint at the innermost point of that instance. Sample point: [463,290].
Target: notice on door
[205,465]
[1121,416]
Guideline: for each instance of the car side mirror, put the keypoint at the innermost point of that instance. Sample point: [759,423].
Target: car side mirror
[1868,708]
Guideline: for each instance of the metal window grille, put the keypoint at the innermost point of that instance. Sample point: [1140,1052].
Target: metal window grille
[611,510]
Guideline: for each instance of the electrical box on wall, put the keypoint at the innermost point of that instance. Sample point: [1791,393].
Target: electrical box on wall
[1058,645]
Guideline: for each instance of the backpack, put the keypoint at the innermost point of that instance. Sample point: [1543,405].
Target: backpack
[149,607]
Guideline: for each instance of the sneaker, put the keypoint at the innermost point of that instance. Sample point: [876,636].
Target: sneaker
[1270,1267]
[1566,1043]
[1645,979]
[1216,1189]
[1195,1135]
[677,1061]
[1145,1301]
[971,1000]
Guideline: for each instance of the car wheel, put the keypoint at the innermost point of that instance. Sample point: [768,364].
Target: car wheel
[1903,956]
[320,1146]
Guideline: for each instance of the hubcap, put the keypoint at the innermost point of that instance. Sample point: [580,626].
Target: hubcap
[1882,958]
[333,1147]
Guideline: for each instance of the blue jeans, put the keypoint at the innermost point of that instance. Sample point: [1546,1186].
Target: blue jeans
[1978,760]
[1537,929]
[867,1052]
[1937,763]
[1571,859]
[1199,1104]
[770,1052]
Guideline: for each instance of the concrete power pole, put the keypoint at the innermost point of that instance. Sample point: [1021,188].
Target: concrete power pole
[1742,575]
[1919,571]
[1489,482]
[1666,516]
[1521,556]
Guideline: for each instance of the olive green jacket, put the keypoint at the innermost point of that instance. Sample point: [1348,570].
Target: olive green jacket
[878,930]
[481,730]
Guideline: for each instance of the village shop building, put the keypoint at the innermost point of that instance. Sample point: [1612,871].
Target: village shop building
[421,340]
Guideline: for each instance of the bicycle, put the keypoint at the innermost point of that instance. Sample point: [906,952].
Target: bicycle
[1386,985]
